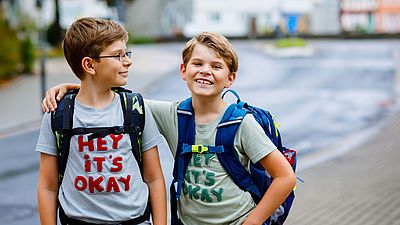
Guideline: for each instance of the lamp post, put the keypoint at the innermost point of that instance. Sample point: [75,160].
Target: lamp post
[42,38]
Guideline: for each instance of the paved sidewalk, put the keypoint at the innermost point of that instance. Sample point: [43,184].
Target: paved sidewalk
[361,187]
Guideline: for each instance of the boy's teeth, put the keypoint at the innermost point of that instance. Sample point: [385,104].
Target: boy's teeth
[203,82]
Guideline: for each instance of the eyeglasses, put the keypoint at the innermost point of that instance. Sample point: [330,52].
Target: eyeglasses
[120,56]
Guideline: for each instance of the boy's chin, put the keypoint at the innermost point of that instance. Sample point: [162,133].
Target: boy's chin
[122,82]
[205,93]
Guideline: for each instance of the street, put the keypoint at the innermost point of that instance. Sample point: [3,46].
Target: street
[345,89]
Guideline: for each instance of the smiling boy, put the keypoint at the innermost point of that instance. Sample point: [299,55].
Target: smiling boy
[102,182]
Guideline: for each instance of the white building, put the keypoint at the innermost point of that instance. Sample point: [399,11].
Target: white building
[169,18]
[173,18]
[69,11]
[252,17]
[144,18]
[233,17]
[325,17]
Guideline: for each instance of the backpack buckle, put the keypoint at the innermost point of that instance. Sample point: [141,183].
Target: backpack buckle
[199,148]
[119,130]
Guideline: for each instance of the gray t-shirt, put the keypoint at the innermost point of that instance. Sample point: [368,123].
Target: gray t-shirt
[102,181]
[209,195]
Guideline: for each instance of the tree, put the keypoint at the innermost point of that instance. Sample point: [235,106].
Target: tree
[9,47]
[54,32]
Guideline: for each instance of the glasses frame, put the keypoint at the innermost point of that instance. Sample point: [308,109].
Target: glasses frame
[120,56]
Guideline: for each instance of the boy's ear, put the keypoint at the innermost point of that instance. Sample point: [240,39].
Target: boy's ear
[88,65]
[231,79]
[183,71]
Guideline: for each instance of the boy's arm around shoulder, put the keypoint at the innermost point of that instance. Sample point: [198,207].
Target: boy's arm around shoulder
[162,111]
[166,118]
[54,94]
[153,176]
[284,180]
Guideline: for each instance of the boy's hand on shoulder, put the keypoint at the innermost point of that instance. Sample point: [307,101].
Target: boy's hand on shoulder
[55,94]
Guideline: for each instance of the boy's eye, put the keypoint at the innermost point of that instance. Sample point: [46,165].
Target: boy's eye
[217,67]
[119,56]
[127,54]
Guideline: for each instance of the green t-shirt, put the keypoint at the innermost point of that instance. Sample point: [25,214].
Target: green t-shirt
[209,195]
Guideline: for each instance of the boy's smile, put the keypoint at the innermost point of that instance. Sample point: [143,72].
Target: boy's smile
[206,74]
[203,81]
[124,74]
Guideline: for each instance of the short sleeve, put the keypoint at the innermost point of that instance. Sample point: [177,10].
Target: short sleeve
[46,141]
[252,139]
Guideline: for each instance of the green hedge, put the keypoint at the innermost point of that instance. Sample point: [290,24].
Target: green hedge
[16,55]
[9,52]
[141,40]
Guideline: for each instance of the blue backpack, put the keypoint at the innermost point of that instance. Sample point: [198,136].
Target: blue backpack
[257,181]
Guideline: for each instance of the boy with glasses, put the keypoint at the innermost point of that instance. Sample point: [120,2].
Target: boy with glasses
[102,182]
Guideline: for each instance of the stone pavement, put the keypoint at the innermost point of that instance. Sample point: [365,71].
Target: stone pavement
[361,187]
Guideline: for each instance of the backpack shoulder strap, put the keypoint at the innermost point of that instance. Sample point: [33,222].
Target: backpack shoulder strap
[258,180]
[186,126]
[267,122]
[186,136]
[62,119]
[134,120]
[229,159]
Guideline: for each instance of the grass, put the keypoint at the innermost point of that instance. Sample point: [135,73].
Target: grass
[290,42]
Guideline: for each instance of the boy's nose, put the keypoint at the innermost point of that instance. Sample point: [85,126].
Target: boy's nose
[127,62]
[205,71]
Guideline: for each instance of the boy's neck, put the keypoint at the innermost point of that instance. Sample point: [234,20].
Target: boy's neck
[94,96]
[207,109]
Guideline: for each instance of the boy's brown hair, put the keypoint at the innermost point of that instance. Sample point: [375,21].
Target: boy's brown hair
[216,42]
[88,37]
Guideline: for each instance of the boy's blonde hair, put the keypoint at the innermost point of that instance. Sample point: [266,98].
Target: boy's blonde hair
[216,42]
[88,37]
